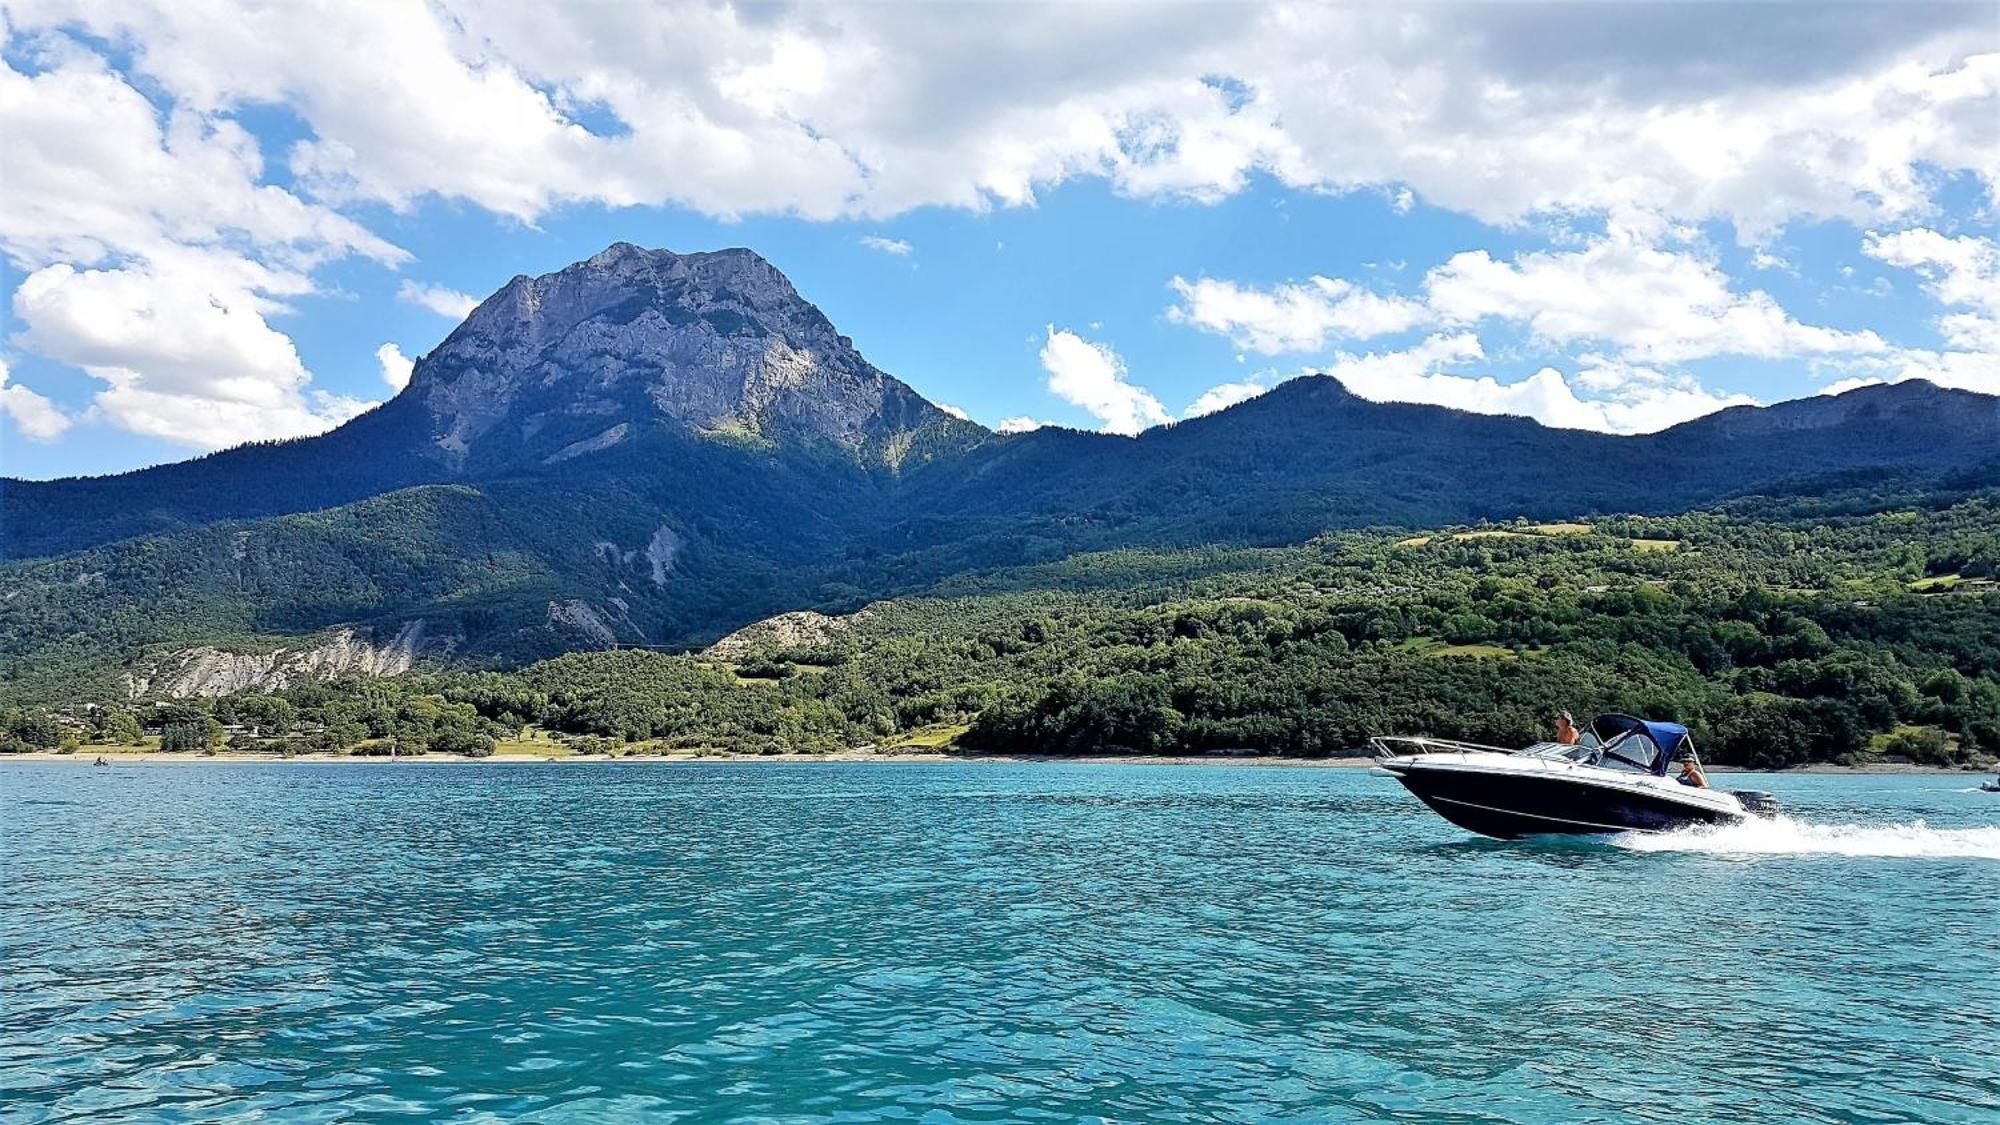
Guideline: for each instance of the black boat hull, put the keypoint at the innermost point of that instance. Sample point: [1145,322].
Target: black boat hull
[1510,806]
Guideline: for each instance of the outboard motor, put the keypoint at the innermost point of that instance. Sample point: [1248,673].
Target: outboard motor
[1756,802]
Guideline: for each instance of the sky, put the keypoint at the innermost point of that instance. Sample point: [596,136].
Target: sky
[226,222]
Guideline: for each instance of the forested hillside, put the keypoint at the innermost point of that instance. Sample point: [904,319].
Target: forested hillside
[1782,631]
[649,448]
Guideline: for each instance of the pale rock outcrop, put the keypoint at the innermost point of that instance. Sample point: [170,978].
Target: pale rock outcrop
[208,671]
[661,551]
[576,615]
[799,629]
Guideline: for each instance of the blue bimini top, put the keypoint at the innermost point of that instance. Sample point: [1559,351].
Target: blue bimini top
[1668,739]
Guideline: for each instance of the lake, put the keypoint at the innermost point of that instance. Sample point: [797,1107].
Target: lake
[974,942]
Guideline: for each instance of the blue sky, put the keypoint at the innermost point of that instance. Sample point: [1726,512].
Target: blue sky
[1016,221]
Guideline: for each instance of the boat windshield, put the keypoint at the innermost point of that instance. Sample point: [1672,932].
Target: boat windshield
[1585,751]
[1629,751]
[1632,750]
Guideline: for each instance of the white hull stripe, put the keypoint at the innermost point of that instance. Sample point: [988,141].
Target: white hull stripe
[1707,800]
[1550,819]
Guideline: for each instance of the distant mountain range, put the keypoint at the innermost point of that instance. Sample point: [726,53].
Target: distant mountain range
[654,448]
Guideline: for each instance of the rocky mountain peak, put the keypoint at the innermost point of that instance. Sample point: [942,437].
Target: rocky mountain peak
[590,356]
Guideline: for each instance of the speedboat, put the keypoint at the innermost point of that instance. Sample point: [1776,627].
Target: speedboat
[1614,779]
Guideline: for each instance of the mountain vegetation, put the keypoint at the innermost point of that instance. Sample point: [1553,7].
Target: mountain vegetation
[608,467]
[1784,632]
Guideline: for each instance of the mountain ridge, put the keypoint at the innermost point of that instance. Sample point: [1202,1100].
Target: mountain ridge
[654,448]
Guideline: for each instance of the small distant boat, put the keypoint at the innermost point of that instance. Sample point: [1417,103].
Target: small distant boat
[1990,786]
[1613,780]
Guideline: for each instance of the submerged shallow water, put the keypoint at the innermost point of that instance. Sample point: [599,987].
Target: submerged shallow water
[974,942]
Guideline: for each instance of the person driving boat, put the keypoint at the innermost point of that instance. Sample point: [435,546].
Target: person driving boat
[1691,772]
[1566,732]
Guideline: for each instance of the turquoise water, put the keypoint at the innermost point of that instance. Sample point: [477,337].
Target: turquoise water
[973,943]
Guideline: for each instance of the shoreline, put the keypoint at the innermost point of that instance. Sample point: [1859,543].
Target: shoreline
[154,757]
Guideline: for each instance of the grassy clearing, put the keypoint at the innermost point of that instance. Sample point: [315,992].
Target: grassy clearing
[1431,648]
[521,748]
[940,737]
[1477,652]
[1532,531]
[1935,583]
[1656,544]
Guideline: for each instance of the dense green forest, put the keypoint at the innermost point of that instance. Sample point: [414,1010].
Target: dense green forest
[1782,631]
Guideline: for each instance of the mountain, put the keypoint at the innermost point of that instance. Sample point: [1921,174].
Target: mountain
[627,348]
[656,448]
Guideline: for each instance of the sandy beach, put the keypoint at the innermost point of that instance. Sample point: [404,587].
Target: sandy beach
[118,757]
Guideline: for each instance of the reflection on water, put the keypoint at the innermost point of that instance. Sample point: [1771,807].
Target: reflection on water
[979,942]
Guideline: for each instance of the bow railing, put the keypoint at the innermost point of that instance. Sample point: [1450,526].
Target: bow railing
[1404,745]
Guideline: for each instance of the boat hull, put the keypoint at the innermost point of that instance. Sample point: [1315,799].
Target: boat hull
[1509,805]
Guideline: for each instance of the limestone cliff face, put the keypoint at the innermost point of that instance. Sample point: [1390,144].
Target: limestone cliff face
[800,629]
[206,671]
[558,367]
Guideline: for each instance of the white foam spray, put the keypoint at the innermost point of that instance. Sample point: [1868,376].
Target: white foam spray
[1784,836]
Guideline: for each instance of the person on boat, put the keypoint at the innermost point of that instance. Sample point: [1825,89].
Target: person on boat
[1566,732]
[1691,772]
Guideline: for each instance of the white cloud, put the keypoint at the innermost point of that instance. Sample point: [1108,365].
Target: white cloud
[95,171]
[437,298]
[1654,303]
[1019,425]
[1291,317]
[1754,115]
[1963,274]
[895,246]
[1842,386]
[184,359]
[36,416]
[1222,396]
[1960,271]
[396,366]
[197,251]
[1093,377]
[1759,115]
[954,411]
[1634,400]
[1657,305]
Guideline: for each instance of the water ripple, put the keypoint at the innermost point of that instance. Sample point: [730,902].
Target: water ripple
[858,944]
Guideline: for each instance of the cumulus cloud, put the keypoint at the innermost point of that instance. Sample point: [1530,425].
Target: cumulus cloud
[1291,317]
[1658,304]
[443,301]
[396,366]
[1632,400]
[197,252]
[1019,425]
[1963,274]
[35,415]
[1093,377]
[954,411]
[1634,302]
[1758,116]
[868,110]
[1222,396]
[183,359]
[894,246]
[1655,303]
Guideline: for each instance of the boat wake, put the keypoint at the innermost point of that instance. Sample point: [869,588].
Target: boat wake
[1784,836]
